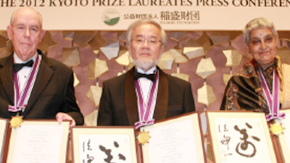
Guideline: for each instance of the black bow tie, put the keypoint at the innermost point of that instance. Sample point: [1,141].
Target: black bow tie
[18,66]
[148,76]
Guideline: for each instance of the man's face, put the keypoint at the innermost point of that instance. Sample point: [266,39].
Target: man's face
[25,33]
[262,45]
[146,46]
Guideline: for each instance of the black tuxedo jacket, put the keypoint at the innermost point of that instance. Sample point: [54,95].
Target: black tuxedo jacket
[118,105]
[52,92]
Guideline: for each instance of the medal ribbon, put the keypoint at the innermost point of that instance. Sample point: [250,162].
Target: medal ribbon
[272,99]
[19,99]
[144,114]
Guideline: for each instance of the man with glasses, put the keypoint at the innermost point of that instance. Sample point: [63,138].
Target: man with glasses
[145,93]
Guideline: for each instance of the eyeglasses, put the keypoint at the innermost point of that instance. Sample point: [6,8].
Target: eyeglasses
[150,41]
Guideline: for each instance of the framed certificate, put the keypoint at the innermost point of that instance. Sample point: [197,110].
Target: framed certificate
[284,137]
[104,144]
[3,131]
[175,140]
[240,137]
[38,141]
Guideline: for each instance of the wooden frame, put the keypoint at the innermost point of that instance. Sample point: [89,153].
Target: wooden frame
[94,143]
[3,132]
[284,138]
[178,139]
[37,140]
[240,137]
[90,143]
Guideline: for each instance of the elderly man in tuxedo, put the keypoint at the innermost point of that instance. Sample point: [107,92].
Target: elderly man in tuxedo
[32,85]
[144,94]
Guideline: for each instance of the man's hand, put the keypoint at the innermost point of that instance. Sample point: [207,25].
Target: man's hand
[63,116]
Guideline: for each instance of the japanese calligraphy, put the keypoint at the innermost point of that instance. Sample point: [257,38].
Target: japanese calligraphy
[245,147]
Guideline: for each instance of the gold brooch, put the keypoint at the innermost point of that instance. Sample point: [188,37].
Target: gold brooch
[16,121]
[143,137]
[276,128]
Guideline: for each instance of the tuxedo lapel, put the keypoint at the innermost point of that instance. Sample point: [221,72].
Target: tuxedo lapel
[161,107]
[131,98]
[43,77]
[6,76]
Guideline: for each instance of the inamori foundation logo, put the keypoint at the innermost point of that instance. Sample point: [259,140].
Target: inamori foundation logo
[111,17]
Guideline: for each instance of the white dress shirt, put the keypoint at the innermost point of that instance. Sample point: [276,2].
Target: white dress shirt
[24,74]
[145,86]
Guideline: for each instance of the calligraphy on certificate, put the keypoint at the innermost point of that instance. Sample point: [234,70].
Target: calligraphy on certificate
[87,147]
[242,140]
[105,149]
[225,140]
[245,147]
[108,152]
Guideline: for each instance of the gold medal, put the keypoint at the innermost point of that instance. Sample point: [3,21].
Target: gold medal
[276,128]
[143,137]
[16,121]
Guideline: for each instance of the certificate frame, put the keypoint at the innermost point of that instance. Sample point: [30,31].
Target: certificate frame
[54,137]
[230,121]
[107,135]
[3,135]
[284,142]
[193,129]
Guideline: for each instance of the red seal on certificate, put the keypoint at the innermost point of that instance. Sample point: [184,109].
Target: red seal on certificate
[143,137]
[276,128]
[16,121]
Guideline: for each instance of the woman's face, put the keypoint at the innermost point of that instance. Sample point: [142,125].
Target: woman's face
[263,46]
